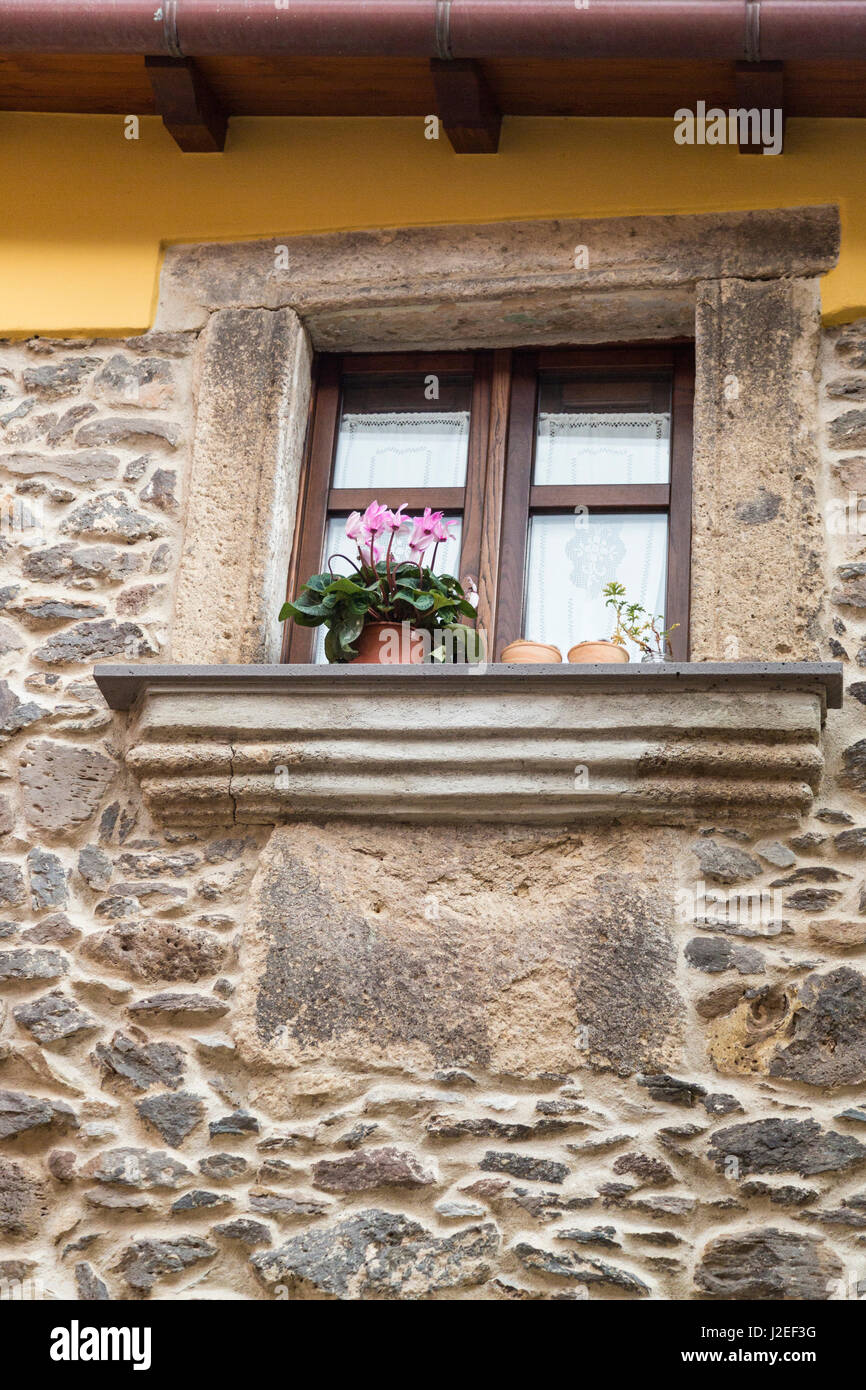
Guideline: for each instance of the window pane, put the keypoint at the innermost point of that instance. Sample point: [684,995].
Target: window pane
[447,559]
[602,432]
[391,435]
[572,558]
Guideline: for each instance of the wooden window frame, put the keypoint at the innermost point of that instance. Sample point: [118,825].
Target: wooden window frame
[499,496]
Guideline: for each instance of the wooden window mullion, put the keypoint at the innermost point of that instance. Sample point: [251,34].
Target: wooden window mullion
[680,520]
[518,477]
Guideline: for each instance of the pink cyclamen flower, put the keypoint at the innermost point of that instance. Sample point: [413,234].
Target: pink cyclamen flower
[355,529]
[424,530]
[395,521]
[440,530]
[375,518]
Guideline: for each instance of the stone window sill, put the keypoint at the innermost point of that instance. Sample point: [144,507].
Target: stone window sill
[220,745]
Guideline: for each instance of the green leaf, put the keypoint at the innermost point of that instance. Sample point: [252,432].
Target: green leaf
[318,583]
[305,616]
[344,585]
[333,650]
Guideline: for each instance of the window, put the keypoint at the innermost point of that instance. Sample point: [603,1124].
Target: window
[565,468]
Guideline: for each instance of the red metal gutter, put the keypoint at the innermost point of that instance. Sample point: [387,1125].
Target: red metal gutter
[724,30]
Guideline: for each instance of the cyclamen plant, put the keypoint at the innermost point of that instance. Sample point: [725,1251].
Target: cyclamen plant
[381,589]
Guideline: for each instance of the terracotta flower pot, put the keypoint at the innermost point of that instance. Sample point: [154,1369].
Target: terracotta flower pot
[597,651]
[525,651]
[391,644]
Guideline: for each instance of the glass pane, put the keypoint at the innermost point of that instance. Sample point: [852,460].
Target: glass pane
[602,432]
[392,435]
[572,558]
[343,551]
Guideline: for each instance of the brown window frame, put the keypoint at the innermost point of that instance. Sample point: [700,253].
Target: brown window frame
[499,496]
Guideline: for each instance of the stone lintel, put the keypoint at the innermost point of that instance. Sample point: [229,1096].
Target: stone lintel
[506,278]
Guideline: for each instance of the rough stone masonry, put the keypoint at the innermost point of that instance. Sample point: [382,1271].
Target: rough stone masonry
[341,1062]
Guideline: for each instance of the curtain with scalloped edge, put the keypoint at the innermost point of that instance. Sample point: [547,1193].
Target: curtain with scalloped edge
[570,559]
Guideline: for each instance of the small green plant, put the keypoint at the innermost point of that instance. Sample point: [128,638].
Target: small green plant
[635,624]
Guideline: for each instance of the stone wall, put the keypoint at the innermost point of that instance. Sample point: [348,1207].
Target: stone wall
[349,1061]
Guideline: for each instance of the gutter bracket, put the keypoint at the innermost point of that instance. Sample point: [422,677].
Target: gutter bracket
[467,107]
[190,111]
[761,87]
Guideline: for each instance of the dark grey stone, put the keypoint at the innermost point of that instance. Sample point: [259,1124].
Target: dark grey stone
[768,1264]
[199,1200]
[721,1104]
[148,381]
[12,892]
[484,1127]
[367,1169]
[379,1254]
[812,899]
[48,880]
[68,562]
[145,1261]
[133,429]
[53,1017]
[32,965]
[91,1289]
[646,1167]
[64,426]
[848,431]
[785,1146]
[20,1112]
[53,611]
[154,863]
[23,1201]
[14,713]
[811,873]
[144,1064]
[173,1114]
[108,514]
[191,1008]
[785,1196]
[285,1204]
[60,378]
[223,1165]
[138,1169]
[714,956]
[570,1265]
[524,1166]
[828,1047]
[97,640]
[95,867]
[244,1230]
[240,1122]
[725,863]
[672,1089]
[160,490]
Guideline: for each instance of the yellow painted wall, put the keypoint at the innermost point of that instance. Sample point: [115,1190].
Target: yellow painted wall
[85,213]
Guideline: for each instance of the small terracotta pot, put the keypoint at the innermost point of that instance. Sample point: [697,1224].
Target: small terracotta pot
[597,651]
[525,651]
[391,644]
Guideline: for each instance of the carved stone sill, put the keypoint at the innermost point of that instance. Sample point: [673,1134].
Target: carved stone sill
[220,745]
